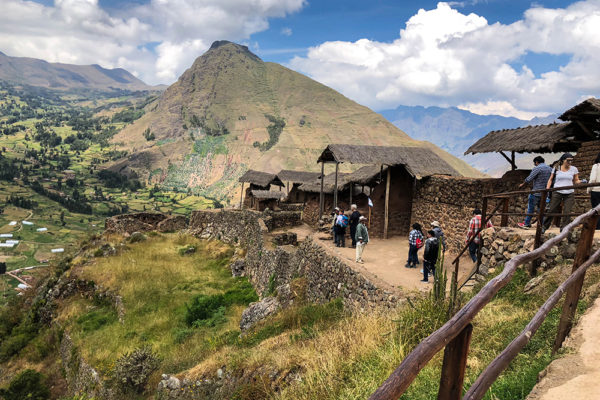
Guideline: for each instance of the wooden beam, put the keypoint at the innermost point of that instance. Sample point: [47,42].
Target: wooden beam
[335,188]
[321,198]
[351,190]
[242,197]
[585,129]
[511,162]
[387,201]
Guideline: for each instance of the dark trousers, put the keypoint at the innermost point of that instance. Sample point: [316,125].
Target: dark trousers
[340,236]
[428,267]
[353,235]
[473,251]
[413,259]
[595,198]
[557,198]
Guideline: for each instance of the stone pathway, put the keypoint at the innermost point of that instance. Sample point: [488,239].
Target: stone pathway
[576,375]
[384,260]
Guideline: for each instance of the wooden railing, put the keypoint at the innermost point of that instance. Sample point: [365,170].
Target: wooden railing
[455,335]
[504,202]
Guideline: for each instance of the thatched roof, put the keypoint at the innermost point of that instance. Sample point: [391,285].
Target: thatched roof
[267,194]
[418,161]
[328,184]
[367,175]
[587,108]
[287,175]
[259,178]
[550,138]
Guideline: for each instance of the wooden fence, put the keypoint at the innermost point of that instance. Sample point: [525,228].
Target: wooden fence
[455,335]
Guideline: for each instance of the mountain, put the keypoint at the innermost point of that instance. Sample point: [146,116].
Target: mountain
[35,72]
[454,130]
[230,111]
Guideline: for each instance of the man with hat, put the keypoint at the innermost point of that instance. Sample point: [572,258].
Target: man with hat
[362,238]
[439,234]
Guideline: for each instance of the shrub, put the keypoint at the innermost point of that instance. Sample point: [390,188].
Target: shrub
[132,370]
[29,384]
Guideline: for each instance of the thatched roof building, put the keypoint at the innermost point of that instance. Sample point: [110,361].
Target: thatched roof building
[589,108]
[552,138]
[328,184]
[259,178]
[287,175]
[418,161]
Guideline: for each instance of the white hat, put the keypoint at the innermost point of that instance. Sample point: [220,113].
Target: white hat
[435,223]
[361,218]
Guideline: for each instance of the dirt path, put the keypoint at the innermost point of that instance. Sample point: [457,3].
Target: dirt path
[575,376]
[384,260]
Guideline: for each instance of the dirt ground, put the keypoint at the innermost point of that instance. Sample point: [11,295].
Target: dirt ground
[576,375]
[385,260]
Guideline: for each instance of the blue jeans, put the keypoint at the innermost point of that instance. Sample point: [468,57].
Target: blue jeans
[413,259]
[532,203]
[473,251]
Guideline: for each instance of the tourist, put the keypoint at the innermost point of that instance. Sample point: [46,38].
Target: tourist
[539,176]
[439,234]
[430,255]
[334,215]
[475,231]
[354,219]
[415,242]
[341,222]
[594,191]
[564,175]
[361,238]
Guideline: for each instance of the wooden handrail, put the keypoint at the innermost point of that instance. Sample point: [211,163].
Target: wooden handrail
[401,378]
[508,194]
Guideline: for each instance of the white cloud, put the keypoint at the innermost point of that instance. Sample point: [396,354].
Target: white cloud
[444,57]
[82,32]
[286,31]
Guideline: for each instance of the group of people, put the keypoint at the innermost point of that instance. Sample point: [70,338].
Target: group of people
[564,174]
[358,230]
[416,241]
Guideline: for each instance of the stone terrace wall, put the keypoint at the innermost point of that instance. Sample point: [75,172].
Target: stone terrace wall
[327,276]
[451,200]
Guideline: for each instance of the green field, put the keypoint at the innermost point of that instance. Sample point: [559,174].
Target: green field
[53,147]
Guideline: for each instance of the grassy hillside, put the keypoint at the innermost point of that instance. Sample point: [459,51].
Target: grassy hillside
[307,351]
[53,146]
[231,111]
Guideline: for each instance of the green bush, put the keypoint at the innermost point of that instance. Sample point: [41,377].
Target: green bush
[132,370]
[210,309]
[29,384]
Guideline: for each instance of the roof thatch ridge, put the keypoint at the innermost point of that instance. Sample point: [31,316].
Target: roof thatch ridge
[268,194]
[260,178]
[297,176]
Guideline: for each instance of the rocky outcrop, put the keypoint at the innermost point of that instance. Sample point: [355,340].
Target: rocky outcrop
[258,311]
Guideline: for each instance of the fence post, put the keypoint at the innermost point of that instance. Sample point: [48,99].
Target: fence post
[584,249]
[454,366]
[483,226]
[538,233]
[504,220]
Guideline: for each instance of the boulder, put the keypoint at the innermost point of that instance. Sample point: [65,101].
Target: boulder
[258,311]
[137,237]
[238,267]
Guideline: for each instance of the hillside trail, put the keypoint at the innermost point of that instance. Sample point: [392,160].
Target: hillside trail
[576,374]
[384,261]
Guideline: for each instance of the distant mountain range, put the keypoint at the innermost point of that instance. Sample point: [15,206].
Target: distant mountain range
[35,72]
[454,130]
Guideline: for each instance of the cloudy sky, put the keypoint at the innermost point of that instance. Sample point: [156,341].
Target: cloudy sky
[508,57]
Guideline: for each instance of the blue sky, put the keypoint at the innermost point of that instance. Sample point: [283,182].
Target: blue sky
[513,58]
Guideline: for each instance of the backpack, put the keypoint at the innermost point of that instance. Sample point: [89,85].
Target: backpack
[419,243]
[344,222]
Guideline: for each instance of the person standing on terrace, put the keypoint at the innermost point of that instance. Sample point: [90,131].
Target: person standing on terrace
[475,230]
[539,176]
[594,191]
[566,175]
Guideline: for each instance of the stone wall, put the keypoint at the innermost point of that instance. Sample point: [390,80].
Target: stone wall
[451,200]
[145,222]
[501,245]
[327,276]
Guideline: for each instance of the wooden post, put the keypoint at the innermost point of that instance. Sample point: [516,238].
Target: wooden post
[335,188]
[538,233]
[584,249]
[351,190]
[387,201]
[369,217]
[512,161]
[504,220]
[321,199]
[454,366]
[288,187]
[242,197]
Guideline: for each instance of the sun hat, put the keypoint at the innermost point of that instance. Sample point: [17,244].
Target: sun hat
[435,223]
[361,218]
